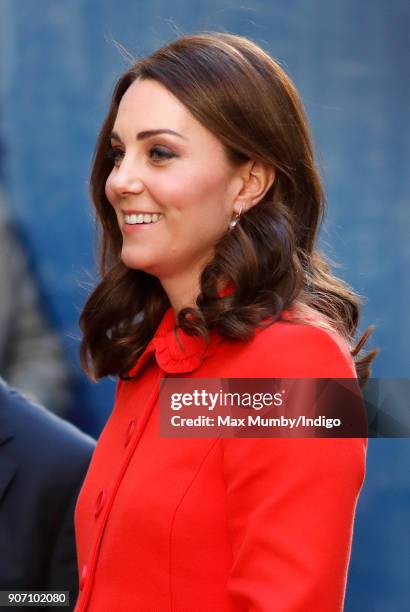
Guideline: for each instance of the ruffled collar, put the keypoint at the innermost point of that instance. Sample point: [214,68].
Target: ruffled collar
[176,351]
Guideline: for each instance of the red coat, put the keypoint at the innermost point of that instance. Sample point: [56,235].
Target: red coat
[218,525]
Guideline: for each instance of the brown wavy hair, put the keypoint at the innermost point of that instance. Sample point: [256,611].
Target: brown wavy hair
[244,97]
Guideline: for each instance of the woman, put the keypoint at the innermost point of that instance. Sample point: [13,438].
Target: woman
[205,187]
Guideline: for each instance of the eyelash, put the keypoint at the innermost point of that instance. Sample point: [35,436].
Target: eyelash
[114,154]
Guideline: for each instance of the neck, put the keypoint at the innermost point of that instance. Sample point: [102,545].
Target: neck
[182,289]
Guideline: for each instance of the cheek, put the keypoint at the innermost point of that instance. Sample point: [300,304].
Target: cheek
[168,191]
[201,193]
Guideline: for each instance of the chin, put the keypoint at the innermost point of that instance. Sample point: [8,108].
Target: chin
[130,260]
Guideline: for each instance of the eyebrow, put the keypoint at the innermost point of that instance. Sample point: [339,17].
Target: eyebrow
[148,133]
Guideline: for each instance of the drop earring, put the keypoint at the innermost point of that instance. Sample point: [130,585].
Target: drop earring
[235,219]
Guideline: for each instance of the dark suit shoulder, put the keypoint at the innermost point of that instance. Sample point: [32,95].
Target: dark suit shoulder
[40,437]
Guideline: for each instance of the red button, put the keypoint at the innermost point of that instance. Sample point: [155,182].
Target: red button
[99,504]
[83,577]
[130,431]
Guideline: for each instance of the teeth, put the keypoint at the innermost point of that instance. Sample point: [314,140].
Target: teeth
[142,218]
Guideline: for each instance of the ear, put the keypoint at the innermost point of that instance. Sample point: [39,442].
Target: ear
[257,178]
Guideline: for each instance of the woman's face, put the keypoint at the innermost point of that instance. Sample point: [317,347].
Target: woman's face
[171,185]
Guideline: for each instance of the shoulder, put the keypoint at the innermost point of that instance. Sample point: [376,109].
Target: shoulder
[40,437]
[303,350]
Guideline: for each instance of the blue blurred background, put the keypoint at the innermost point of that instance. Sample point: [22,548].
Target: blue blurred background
[350,62]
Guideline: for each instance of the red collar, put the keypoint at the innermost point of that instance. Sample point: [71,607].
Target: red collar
[185,354]
[176,355]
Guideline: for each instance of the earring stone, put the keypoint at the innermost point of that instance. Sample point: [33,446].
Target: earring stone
[235,220]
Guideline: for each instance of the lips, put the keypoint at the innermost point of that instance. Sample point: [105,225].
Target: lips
[135,221]
[140,218]
[132,211]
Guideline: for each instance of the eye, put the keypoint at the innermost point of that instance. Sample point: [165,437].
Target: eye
[160,153]
[114,155]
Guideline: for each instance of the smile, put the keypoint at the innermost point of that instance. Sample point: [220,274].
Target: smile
[135,219]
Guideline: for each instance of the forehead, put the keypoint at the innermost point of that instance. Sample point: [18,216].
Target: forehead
[149,105]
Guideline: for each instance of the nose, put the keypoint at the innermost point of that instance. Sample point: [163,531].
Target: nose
[125,179]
